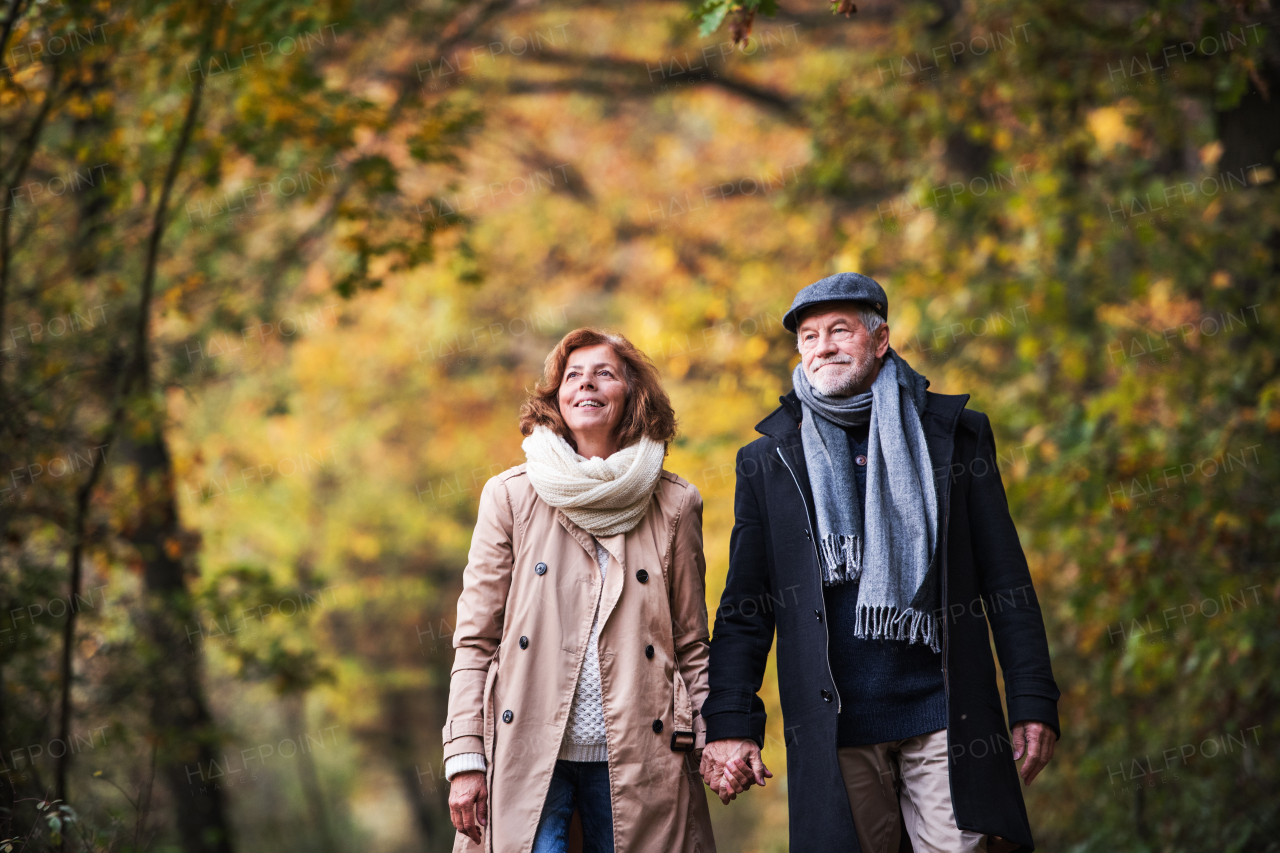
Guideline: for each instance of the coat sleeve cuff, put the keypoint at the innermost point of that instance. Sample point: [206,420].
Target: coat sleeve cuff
[455,729]
[1034,709]
[462,745]
[463,763]
[732,724]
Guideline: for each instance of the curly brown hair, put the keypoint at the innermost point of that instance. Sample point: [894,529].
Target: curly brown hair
[648,410]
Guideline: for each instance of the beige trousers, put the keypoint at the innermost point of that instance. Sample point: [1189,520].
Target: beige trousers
[910,775]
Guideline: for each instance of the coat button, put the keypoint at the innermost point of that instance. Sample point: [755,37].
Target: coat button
[657,727]
[642,576]
[826,697]
[818,613]
[507,716]
[648,652]
[807,536]
[524,642]
[540,569]
[860,459]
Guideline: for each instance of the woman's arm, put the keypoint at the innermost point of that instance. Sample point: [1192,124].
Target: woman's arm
[481,611]
[689,607]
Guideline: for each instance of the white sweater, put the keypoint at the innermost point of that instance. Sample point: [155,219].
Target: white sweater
[584,736]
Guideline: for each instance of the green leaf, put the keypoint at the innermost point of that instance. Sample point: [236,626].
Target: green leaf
[711,15]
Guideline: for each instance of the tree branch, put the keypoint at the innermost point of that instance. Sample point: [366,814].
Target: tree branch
[136,372]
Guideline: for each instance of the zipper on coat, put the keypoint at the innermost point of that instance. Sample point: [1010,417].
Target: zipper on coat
[818,564]
[946,611]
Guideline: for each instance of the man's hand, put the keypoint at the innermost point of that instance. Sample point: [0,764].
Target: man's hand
[1036,740]
[469,803]
[731,766]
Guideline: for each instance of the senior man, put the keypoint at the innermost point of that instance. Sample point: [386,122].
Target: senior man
[872,531]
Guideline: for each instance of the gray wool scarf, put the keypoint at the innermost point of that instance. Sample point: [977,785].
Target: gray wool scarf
[891,558]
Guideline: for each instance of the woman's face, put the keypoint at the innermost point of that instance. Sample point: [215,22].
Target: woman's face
[593,393]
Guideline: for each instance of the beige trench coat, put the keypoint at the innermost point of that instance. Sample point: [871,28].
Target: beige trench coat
[532,575]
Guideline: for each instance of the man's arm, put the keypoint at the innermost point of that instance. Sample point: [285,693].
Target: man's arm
[1012,610]
[743,636]
[734,712]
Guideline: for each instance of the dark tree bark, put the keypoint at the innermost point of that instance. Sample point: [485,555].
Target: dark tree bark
[186,735]
[401,710]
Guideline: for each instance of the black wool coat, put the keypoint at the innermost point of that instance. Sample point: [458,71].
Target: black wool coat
[774,584]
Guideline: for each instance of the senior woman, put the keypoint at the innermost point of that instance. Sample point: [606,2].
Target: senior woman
[582,642]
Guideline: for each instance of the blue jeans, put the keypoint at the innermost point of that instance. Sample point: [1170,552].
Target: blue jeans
[583,785]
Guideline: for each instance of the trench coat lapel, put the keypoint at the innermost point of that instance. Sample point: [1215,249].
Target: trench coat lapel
[616,545]
[582,537]
[614,576]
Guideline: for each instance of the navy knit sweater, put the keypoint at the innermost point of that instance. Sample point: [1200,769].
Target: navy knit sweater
[889,689]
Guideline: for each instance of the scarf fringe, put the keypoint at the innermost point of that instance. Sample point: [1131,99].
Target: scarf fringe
[841,558]
[888,623]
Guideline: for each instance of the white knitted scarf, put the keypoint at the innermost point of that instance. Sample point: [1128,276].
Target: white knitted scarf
[602,496]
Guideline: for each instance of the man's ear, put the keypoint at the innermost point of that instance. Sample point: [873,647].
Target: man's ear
[882,340]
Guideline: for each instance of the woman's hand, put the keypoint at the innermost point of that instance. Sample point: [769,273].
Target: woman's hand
[731,766]
[469,803]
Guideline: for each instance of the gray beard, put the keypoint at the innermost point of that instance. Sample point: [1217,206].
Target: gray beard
[844,383]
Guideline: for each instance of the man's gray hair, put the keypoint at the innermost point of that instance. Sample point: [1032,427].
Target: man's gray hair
[863,310]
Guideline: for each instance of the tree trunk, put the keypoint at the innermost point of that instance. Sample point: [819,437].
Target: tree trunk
[186,736]
[400,713]
[295,714]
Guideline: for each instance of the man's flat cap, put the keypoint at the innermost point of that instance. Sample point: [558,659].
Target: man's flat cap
[842,286]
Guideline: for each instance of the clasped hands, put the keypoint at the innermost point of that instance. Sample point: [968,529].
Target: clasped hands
[731,766]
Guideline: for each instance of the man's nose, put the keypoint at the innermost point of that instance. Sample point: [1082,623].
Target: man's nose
[826,345]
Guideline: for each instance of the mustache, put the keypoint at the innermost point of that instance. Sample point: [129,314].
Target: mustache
[835,359]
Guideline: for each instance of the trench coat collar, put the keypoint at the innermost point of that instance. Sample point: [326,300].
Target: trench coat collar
[616,544]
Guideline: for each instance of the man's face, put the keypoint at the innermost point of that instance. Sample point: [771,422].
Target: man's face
[839,356]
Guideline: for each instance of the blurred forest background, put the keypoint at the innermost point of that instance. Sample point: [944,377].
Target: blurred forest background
[274,278]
